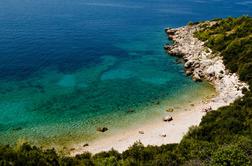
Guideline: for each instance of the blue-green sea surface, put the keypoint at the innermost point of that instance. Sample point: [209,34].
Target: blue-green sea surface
[69,66]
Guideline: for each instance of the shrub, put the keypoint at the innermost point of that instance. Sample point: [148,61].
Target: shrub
[230,156]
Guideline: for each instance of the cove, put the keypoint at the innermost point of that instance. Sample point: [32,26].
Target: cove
[69,67]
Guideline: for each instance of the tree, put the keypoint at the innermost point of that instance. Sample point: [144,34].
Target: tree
[230,156]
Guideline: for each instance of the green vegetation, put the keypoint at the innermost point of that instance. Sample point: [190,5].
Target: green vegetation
[224,136]
[232,37]
[190,23]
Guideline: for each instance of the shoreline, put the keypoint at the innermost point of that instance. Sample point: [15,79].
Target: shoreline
[153,128]
[202,64]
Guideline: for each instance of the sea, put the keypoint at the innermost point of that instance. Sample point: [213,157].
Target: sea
[70,66]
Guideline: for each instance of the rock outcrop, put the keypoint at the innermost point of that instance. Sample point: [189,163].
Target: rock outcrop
[201,63]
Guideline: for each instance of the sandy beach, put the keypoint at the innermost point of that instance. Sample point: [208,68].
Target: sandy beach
[201,64]
[156,132]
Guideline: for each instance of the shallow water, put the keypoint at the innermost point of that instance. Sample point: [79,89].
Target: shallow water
[67,67]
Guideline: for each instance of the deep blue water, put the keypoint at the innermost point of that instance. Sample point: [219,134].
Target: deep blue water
[68,34]
[66,64]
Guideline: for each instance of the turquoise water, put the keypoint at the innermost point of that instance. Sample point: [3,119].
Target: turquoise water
[67,67]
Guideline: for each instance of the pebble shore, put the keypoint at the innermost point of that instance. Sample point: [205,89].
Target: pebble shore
[202,64]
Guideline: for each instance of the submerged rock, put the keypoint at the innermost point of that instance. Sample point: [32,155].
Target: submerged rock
[167,47]
[130,111]
[101,129]
[17,128]
[170,110]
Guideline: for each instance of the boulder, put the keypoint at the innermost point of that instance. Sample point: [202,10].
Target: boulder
[166,47]
[221,76]
[167,118]
[163,135]
[196,77]
[101,129]
[211,71]
[170,110]
[188,64]
[85,145]
[188,72]
[170,31]
[141,132]
[167,29]
[196,65]
[207,109]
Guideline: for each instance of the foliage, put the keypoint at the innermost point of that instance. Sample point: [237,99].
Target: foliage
[230,155]
[224,136]
[232,37]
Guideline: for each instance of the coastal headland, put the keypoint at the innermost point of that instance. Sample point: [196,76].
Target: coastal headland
[202,64]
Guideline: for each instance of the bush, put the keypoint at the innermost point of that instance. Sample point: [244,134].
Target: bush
[230,156]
